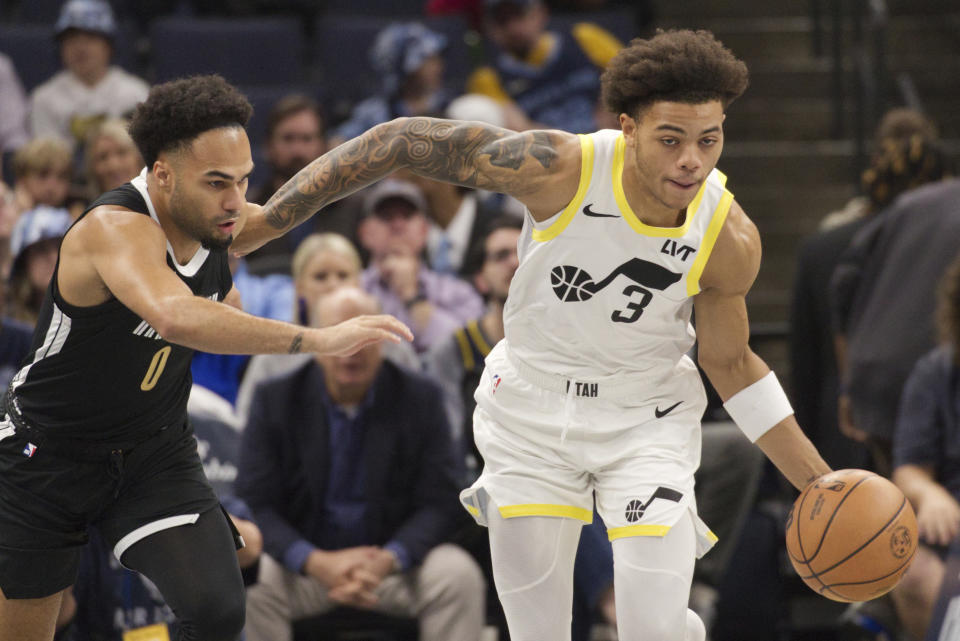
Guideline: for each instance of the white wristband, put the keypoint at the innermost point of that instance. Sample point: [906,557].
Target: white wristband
[759,406]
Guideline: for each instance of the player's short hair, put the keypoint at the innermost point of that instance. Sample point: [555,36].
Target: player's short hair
[948,308]
[685,66]
[176,112]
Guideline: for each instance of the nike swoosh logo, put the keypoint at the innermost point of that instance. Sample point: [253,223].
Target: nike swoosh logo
[661,413]
[589,212]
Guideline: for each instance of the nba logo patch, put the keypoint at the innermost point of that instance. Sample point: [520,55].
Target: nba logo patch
[496,383]
[29,450]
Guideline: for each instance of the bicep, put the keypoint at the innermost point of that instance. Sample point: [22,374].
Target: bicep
[723,329]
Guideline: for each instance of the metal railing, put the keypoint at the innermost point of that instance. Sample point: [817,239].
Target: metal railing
[857,32]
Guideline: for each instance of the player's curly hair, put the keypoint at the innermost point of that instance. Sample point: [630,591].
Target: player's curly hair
[948,308]
[678,66]
[176,112]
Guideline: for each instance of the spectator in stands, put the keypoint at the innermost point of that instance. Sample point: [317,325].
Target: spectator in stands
[926,453]
[348,467]
[111,157]
[15,337]
[456,362]
[114,603]
[89,88]
[34,245]
[394,231]
[13,108]
[43,169]
[321,264]
[813,360]
[459,221]
[407,56]
[295,136]
[883,288]
[553,77]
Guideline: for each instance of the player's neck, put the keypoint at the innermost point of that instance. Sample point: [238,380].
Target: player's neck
[649,209]
[184,246]
[492,321]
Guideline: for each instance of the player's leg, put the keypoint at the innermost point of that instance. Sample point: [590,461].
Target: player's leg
[533,560]
[652,577]
[29,619]
[195,568]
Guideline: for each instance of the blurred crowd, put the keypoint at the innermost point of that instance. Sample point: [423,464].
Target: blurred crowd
[335,461]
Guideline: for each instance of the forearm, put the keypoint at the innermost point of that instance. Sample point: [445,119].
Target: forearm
[791,451]
[464,153]
[213,327]
[784,444]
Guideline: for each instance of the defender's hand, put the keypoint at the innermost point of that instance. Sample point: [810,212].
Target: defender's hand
[354,334]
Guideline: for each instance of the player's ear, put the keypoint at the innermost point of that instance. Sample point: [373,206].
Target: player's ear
[164,173]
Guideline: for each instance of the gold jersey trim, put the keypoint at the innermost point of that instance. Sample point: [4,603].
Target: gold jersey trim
[546,509]
[627,212]
[706,245]
[586,173]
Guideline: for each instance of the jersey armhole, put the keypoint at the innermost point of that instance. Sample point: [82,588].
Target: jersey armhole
[709,240]
[586,173]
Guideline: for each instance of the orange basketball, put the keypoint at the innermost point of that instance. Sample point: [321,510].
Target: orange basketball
[851,535]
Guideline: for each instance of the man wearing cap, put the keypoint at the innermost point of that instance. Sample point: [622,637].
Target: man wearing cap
[394,230]
[407,58]
[89,88]
[552,76]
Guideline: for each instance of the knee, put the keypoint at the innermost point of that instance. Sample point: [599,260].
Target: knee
[922,578]
[455,571]
[214,617]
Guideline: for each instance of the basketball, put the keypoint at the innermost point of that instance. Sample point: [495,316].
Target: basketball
[851,535]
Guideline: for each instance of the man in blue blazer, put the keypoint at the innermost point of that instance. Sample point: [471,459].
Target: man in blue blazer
[348,466]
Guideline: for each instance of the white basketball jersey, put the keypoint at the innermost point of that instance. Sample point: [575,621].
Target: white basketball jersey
[599,295]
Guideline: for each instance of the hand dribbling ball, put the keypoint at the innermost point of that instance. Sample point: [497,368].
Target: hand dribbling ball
[851,535]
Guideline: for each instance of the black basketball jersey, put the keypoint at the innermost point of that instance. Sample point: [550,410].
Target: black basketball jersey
[102,372]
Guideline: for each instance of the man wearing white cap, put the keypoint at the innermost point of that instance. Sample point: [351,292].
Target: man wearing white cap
[89,88]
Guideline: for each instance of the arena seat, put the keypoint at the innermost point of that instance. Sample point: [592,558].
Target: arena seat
[255,51]
[349,624]
[32,50]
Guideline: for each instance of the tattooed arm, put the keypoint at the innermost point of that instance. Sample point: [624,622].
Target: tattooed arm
[540,168]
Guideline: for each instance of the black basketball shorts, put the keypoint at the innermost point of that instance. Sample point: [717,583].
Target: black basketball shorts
[50,493]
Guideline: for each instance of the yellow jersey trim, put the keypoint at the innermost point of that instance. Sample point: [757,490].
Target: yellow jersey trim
[472,510]
[637,530]
[713,537]
[473,327]
[627,212]
[465,352]
[545,509]
[706,245]
[722,176]
[586,173]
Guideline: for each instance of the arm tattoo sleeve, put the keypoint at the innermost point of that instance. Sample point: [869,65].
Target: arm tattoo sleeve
[465,153]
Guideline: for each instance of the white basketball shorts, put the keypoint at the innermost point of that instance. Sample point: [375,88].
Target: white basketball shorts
[551,445]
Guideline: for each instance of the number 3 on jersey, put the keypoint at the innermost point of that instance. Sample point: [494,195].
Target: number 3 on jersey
[156,369]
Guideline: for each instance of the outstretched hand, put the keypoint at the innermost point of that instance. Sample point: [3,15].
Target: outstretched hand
[354,334]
